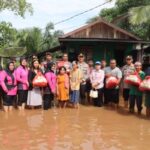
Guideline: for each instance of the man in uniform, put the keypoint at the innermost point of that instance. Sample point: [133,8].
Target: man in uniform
[83,66]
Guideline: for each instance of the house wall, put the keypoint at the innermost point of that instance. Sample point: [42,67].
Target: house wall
[99,50]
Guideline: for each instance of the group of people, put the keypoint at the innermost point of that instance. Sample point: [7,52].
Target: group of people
[70,83]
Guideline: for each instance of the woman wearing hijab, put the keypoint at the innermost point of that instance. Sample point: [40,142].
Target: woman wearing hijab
[23,84]
[9,86]
[50,90]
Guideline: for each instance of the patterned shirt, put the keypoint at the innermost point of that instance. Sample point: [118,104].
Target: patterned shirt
[84,69]
[127,70]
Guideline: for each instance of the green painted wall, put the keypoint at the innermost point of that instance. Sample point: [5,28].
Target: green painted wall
[100,50]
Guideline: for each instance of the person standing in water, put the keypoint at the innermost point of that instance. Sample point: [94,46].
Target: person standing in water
[9,86]
[135,94]
[88,81]
[75,80]
[34,93]
[97,81]
[147,96]
[62,87]
[127,70]
[113,94]
[23,84]
[83,66]
[103,67]
[1,91]
[50,90]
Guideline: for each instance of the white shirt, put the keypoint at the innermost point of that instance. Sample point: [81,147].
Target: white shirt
[97,76]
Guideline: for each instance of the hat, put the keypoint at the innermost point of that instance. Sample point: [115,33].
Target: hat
[81,55]
[129,57]
[97,63]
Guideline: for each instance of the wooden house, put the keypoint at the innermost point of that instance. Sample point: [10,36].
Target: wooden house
[102,40]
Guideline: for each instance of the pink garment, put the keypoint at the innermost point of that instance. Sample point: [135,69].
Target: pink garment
[22,78]
[1,74]
[7,80]
[97,76]
[51,79]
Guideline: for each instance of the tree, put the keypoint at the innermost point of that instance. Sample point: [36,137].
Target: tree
[50,37]
[126,15]
[7,34]
[19,7]
[33,40]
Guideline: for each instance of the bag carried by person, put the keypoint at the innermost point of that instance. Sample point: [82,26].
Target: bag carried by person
[145,84]
[39,80]
[94,93]
[133,79]
[111,82]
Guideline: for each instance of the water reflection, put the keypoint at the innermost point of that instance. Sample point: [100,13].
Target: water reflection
[88,128]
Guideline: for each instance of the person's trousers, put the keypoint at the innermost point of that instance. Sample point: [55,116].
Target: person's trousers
[136,99]
[112,96]
[126,94]
[105,96]
[47,101]
[83,94]
[98,101]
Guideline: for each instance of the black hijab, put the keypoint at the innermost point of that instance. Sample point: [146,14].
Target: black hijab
[49,67]
[9,72]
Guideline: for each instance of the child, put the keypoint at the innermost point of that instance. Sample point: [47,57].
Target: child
[62,87]
[135,93]
[147,96]
[50,90]
[75,80]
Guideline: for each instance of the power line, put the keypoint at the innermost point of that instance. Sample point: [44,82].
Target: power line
[79,14]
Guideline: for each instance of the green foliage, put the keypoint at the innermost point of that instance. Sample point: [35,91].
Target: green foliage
[50,37]
[19,7]
[131,15]
[7,34]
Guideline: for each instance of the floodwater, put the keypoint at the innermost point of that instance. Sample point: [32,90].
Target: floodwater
[88,128]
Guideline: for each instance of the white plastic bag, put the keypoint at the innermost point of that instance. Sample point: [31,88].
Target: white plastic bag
[94,94]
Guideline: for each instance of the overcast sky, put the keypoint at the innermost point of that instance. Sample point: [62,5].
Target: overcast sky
[54,11]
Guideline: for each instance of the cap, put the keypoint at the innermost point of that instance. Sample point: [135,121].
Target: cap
[97,63]
[81,55]
[129,57]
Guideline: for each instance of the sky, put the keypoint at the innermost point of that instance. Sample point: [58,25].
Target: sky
[54,11]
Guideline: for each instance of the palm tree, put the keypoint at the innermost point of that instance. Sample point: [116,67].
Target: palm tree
[139,15]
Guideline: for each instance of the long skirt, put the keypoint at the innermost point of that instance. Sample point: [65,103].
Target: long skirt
[34,97]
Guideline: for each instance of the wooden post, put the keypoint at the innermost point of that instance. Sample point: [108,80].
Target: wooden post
[115,34]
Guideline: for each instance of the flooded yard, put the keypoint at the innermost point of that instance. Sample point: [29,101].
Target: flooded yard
[88,128]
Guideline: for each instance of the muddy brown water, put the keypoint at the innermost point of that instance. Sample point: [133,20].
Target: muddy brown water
[88,128]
